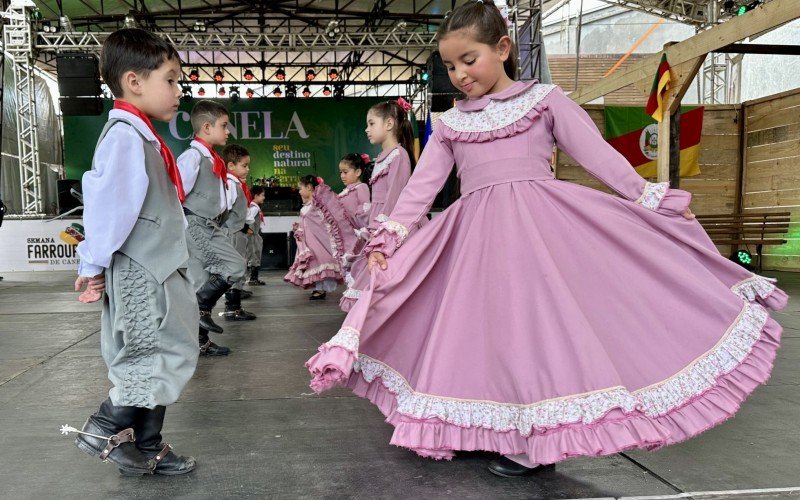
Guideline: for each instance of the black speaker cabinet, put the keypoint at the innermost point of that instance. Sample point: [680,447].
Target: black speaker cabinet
[66,200]
[81,106]
[443,93]
[277,253]
[78,75]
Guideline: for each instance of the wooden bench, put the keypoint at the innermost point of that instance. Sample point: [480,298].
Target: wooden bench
[751,228]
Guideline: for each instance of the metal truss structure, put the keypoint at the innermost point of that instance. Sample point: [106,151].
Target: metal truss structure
[695,12]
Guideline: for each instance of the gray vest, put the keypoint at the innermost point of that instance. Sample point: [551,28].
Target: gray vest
[204,200]
[237,215]
[158,239]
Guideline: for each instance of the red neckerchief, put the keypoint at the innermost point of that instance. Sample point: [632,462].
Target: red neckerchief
[247,195]
[166,154]
[219,164]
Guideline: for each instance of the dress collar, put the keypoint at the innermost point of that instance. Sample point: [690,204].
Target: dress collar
[384,154]
[479,103]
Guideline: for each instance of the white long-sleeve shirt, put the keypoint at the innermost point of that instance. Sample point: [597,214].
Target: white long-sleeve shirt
[113,192]
[233,193]
[189,165]
[252,212]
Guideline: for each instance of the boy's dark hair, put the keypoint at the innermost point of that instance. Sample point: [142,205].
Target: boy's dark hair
[256,190]
[484,21]
[132,49]
[403,131]
[233,153]
[206,111]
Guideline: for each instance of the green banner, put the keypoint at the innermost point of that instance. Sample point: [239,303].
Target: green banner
[286,138]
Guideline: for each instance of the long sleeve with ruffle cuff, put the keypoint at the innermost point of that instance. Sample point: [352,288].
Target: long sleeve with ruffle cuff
[661,198]
[388,238]
[333,364]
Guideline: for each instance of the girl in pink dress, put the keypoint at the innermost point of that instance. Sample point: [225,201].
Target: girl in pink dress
[389,126]
[356,205]
[319,244]
[537,318]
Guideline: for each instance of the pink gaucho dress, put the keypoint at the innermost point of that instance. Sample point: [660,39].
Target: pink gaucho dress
[543,317]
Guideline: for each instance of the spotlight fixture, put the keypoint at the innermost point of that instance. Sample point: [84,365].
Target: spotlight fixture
[194,74]
[291,91]
[234,94]
[280,74]
[221,92]
[65,24]
[48,28]
[333,74]
[249,93]
[187,93]
[423,74]
[743,258]
[130,21]
[218,75]
[338,91]
[248,75]
[201,91]
[326,91]
[333,29]
[199,26]
[277,92]
[306,92]
[310,75]
[401,25]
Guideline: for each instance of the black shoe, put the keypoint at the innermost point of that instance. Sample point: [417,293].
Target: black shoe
[239,315]
[148,432]
[246,294]
[116,423]
[207,297]
[253,280]
[505,467]
[317,295]
[207,323]
[212,349]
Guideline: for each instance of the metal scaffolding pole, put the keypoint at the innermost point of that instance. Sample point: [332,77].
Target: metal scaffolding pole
[18,41]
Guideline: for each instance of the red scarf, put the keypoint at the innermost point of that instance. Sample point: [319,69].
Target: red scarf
[219,164]
[247,195]
[166,154]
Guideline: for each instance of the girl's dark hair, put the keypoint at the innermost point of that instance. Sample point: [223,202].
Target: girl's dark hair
[309,180]
[132,49]
[358,162]
[483,19]
[402,130]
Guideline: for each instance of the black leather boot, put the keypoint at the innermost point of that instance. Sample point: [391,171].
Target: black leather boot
[233,307]
[207,297]
[253,280]
[208,348]
[116,424]
[505,467]
[148,432]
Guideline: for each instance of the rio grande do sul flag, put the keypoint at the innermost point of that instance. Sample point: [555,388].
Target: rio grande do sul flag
[632,132]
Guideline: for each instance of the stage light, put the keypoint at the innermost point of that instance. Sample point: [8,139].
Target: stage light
[306,92]
[326,91]
[291,91]
[424,76]
[743,258]
[218,75]
[333,29]
[280,74]
[234,94]
[65,24]
[310,75]
[333,74]
[194,74]
[187,93]
[277,92]
[338,91]
[130,21]
[402,25]
[201,91]
[199,27]
[249,93]
[221,92]
[248,75]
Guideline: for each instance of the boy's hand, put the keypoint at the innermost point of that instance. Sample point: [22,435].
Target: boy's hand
[95,287]
[250,232]
[377,258]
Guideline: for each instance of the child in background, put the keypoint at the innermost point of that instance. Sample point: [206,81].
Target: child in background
[237,160]
[255,243]
[319,245]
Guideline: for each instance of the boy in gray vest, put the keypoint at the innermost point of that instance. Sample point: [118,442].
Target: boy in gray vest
[214,265]
[135,252]
[237,160]
[255,243]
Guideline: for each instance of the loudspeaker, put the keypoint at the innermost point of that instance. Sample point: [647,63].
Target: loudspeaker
[81,106]
[277,250]
[443,93]
[78,75]
[66,201]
